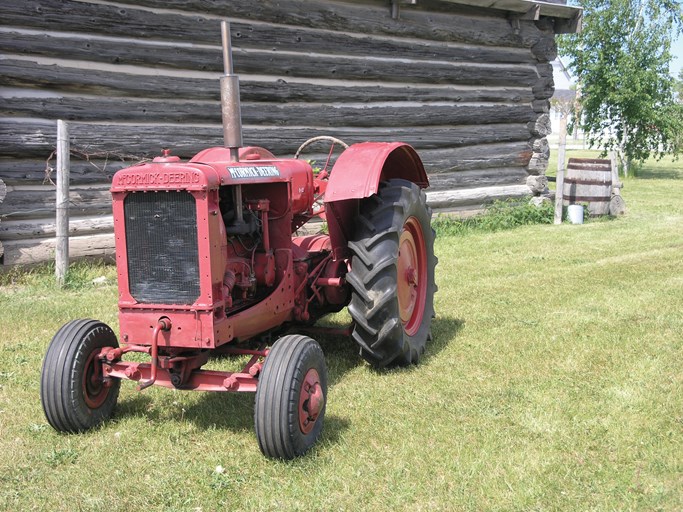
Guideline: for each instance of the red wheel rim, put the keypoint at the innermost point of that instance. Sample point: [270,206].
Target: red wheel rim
[311,401]
[412,276]
[94,389]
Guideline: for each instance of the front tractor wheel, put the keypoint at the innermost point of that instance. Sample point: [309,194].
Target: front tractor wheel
[392,275]
[291,397]
[74,394]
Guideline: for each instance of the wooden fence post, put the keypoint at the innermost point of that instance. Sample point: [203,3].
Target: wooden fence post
[62,203]
[559,183]
[3,193]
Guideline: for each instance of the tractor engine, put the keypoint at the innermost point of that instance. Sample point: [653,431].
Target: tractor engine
[200,242]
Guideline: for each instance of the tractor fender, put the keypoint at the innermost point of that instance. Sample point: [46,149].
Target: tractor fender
[357,174]
[360,168]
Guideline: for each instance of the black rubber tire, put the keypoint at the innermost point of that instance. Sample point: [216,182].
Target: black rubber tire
[373,277]
[63,390]
[276,409]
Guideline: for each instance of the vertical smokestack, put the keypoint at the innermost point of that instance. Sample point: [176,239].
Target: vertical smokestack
[230,98]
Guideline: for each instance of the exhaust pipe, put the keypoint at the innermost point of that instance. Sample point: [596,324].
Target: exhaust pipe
[230,98]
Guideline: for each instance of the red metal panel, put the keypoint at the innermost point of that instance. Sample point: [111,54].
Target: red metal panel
[200,380]
[190,328]
[222,154]
[360,168]
[165,176]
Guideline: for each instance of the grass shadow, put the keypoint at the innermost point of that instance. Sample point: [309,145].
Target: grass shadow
[235,411]
[223,411]
[444,329]
[649,173]
[137,405]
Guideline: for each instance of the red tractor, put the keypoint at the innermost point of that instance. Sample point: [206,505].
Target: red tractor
[208,264]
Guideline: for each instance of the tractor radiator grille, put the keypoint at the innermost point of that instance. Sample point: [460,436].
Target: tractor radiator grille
[161,243]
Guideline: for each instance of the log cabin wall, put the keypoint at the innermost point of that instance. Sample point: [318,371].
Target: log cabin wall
[468,87]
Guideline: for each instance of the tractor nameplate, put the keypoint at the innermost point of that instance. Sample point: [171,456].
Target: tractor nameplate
[262,171]
[157,178]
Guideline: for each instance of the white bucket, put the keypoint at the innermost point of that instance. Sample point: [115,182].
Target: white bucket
[575,213]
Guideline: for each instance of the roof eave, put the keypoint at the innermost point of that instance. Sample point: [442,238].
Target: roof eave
[567,18]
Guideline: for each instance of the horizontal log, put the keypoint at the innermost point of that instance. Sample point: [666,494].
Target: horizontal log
[541,127]
[455,24]
[541,145]
[81,172]
[36,138]
[486,156]
[544,88]
[249,36]
[39,201]
[39,250]
[308,65]
[28,74]
[540,106]
[46,227]
[545,49]
[85,109]
[477,178]
[545,70]
[538,164]
[97,170]
[493,161]
[474,196]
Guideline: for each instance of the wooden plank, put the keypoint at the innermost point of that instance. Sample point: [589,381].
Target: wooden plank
[34,138]
[17,171]
[308,65]
[456,24]
[46,227]
[84,109]
[39,201]
[541,127]
[475,157]
[249,36]
[98,170]
[561,156]
[38,250]
[545,49]
[485,156]
[62,203]
[474,179]
[64,76]
[474,196]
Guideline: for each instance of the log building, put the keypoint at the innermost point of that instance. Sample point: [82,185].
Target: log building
[466,82]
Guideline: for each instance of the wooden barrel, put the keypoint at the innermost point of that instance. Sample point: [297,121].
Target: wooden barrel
[588,180]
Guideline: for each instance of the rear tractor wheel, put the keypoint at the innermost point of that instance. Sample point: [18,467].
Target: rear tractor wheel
[392,275]
[291,397]
[74,394]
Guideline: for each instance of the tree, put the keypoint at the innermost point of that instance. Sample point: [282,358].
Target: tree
[621,60]
[678,86]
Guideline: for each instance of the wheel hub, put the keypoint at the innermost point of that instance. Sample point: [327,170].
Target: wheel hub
[412,275]
[311,401]
[95,390]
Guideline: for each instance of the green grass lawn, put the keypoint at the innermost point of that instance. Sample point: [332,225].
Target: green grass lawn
[555,382]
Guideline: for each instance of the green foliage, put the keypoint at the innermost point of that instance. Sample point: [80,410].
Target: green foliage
[678,86]
[500,215]
[621,60]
